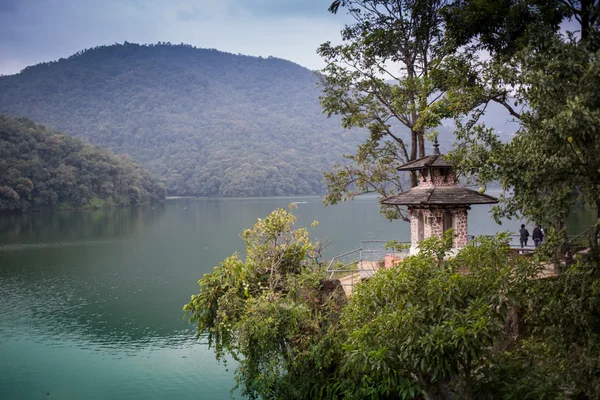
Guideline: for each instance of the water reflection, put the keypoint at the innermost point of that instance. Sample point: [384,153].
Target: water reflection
[90,307]
[76,226]
[118,278]
[69,275]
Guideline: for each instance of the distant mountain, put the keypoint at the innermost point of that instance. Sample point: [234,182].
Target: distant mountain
[42,168]
[210,123]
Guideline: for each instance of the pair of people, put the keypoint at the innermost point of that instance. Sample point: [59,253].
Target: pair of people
[537,236]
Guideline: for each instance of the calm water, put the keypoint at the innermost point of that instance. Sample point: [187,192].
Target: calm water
[90,302]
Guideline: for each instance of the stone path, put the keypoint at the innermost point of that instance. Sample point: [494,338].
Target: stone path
[364,270]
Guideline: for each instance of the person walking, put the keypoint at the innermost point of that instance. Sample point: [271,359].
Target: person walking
[537,236]
[524,236]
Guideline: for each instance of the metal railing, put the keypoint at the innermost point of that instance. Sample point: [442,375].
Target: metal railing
[363,262]
[515,240]
[360,263]
[344,262]
[583,239]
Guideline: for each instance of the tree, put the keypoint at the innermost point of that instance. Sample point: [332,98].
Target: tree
[421,329]
[384,77]
[427,328]
[552,161]
[561,335]
[271,312]
[128,97]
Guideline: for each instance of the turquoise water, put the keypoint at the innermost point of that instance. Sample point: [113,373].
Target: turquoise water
[90,301]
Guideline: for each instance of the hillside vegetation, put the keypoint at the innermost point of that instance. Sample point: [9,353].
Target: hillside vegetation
[42,168]
[210,123]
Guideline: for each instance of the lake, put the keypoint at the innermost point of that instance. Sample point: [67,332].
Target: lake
[90,301]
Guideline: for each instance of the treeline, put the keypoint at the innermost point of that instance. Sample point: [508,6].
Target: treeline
[210,123]
[43,168]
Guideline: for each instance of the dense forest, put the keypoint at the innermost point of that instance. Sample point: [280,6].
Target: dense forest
[209,123]
[40,168]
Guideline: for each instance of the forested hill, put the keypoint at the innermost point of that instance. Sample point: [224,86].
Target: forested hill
[210,123]
[41,168]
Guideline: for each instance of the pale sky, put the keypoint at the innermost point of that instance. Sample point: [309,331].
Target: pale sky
[34,31]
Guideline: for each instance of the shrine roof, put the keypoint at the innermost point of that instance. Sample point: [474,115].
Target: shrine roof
[439,196]
[431,161]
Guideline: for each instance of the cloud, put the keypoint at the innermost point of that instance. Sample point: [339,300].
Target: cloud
[43,30]
[194,15]
[278,8]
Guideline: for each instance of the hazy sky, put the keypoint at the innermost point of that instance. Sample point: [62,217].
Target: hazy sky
[33,31]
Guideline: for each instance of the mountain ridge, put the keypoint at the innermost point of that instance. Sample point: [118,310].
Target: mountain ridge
[219,111]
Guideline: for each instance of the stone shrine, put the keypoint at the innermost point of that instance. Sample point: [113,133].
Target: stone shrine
[438,202]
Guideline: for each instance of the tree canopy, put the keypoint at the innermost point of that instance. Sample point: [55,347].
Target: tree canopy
[453,60]
[384,77]
[478,325]
[553,160]
[43,168]
[268,312]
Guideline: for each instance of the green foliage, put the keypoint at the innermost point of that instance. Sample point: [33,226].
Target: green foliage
[558,356]
[501,27]
[428,326]
[554,155]
[553,159]
[476,324]
[42,168]
[384,77]
[270,311]
[210,123]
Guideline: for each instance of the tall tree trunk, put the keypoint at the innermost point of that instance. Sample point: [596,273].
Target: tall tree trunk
[421,144]
[565,248]
[597,231]
[414,138]
[585,19]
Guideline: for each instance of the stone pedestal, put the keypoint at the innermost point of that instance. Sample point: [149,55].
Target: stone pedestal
[428,222]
